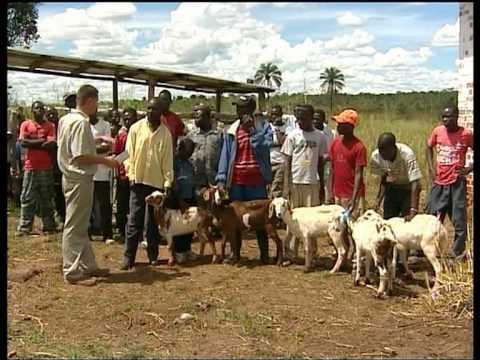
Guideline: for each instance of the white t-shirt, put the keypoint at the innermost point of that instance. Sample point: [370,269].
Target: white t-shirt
[101,128]
[402,171]
[305,148]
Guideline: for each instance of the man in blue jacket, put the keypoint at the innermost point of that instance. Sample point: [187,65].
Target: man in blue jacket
[244,169]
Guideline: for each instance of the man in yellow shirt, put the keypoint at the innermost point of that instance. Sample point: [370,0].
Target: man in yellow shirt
[149,168]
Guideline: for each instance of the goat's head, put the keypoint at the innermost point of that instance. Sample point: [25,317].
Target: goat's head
[382,249]
[214,196]
[279,206]
[156,199]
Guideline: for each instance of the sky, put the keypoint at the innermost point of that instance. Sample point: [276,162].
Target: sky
[379,47]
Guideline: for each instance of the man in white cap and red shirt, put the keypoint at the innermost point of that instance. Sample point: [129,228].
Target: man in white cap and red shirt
[348,157]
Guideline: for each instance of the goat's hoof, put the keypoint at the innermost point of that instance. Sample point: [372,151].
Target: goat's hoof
[286,263]
[381,295]
[308,270]
[368,281]
[333,271]
[356,282]
[171,261]
[214,259]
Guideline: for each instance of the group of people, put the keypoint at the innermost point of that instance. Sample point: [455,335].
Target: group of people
[259,156]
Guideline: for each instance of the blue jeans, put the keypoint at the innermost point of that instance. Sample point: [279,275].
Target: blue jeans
[451,200]
[247,193]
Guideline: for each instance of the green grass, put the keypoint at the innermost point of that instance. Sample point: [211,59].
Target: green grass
[413,132]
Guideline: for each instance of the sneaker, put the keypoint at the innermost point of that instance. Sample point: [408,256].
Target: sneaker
[84,280]
[109,241]
[99,273]
[153,262]
[143,244]
[181,257]
[126,265]
[191,256]
[231,260]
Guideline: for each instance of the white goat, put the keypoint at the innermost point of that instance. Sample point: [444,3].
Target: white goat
[424,232]
[172,222]
[374,238]
[308,224]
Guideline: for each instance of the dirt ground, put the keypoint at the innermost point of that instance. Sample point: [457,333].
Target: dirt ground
[245,311]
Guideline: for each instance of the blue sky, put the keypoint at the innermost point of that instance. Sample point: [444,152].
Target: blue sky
[377,45]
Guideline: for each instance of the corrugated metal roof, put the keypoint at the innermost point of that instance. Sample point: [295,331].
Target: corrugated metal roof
[22,60]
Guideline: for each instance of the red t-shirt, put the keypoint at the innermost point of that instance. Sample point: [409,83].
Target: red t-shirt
[175,124]
[451,152]
[345,157]
[246,170]
[37,159]
[119,147]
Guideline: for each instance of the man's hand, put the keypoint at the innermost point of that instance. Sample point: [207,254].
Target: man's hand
[111,162]
[411,214]
[464,171]
[49,144]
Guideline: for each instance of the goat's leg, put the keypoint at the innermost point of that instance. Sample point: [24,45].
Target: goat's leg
[308,254]
[338,243]
[431,255]
[358,254]
[171,256]
[368,263]
[272,233]
[404,256]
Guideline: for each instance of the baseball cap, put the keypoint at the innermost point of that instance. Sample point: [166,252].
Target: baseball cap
[347,117]
[245,101]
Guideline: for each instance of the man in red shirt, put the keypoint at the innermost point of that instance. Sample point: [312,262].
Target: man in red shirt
[38,137]
[129,117]
[348,158]
[448,193]
[169,118]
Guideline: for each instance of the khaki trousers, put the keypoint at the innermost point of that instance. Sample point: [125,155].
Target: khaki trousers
[305,195]
[77,251]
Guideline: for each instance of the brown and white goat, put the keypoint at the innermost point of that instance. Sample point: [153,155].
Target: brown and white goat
[241,216]
[174,222]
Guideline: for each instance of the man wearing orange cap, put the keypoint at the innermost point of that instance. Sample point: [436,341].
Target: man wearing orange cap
[348,158]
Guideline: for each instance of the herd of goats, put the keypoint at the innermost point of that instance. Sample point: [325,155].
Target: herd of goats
[370,236]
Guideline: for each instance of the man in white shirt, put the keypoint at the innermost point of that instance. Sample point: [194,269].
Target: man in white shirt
[101,219]
[278,123]
[320,123]
[304,149]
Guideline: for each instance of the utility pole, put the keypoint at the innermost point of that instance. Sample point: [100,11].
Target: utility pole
[305,83]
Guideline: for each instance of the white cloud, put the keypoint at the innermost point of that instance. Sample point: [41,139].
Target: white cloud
[401,57]
[447,35]
[350,41]
[415,4]
[348,19]
[225,40]
[111,11]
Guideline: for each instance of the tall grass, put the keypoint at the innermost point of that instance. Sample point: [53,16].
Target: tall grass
[413,132]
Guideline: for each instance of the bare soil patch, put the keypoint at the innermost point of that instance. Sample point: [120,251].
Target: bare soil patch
[245,311]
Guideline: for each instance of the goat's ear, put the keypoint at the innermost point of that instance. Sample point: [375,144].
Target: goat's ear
[379,226]
[289,207]
[271,208]
[206,195]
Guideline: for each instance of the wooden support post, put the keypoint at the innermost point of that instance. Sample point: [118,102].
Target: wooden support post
[151,89]
[261,101]
[218,104]
[115,94]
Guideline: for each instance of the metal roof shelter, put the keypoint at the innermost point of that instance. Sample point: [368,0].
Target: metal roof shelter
[27,61]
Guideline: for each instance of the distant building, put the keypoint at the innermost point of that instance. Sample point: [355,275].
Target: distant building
[465,77]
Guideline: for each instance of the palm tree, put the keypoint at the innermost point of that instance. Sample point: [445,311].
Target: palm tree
[333,82]
[267,74]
